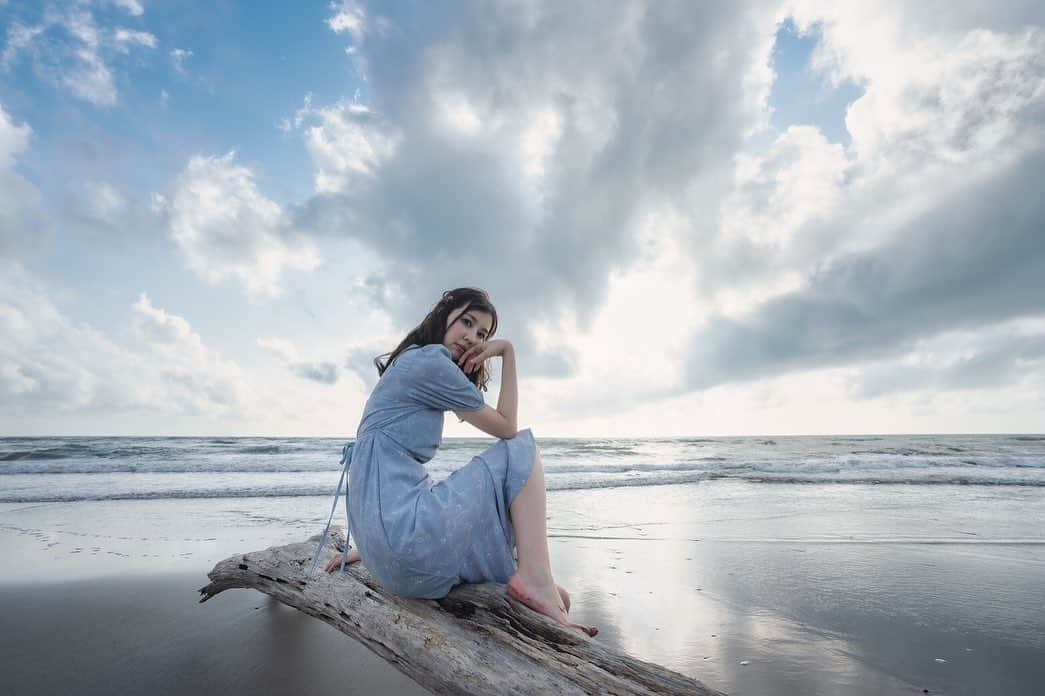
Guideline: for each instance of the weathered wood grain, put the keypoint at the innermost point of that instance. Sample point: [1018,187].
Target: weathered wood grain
[476,640]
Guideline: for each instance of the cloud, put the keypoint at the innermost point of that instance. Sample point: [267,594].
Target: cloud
[322,372]
[194,377]
[133,7]
[19,37]
[528,163]
[13,140]
[1000,356]
[360,362]
[48,361]
[281,347]
[21,215]
[70,50]
[348,145]
[348,17]
[124,39]
[224,228]
[975,258]
[178,58]
[800,177]
[104,202]
[51,363]
[925,224]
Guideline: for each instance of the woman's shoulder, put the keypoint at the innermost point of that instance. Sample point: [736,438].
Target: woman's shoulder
[430,352]
[436,350]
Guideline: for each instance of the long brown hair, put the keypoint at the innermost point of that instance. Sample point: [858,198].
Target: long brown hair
[432,328]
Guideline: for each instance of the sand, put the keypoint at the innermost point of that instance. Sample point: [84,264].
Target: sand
[148,635]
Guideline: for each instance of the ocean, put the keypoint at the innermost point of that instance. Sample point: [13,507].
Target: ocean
[67,469]
[768,565]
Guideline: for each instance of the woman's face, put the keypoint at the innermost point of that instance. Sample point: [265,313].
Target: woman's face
[464,328]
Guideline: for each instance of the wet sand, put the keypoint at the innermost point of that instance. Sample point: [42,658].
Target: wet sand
[799,590]
[149,635]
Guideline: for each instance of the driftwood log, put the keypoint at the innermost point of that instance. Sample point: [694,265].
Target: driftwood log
[476,640]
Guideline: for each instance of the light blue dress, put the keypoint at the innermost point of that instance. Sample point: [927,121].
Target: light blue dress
[419,539]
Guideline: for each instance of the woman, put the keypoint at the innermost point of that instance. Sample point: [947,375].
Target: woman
[420,540]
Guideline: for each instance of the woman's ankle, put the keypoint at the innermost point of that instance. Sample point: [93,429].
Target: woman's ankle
[534,576]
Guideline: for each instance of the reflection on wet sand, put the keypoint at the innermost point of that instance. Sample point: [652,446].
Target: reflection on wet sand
[772,596]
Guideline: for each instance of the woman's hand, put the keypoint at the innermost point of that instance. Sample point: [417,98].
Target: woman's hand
[335,562]
[475,356]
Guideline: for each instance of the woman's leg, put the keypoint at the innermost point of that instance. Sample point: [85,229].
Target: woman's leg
[533,584]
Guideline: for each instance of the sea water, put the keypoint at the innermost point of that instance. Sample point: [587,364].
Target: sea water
[66,469]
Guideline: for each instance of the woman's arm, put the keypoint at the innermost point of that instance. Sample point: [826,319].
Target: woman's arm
[501,422]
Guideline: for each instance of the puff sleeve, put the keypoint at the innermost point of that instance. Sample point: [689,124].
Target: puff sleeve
[437,382]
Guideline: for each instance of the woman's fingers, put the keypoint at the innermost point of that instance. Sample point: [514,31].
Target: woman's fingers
[464,356]
[476,360]
[473,357]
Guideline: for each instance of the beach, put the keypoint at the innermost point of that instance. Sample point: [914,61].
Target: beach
[752,588]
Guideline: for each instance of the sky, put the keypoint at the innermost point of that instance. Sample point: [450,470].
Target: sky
[763,217]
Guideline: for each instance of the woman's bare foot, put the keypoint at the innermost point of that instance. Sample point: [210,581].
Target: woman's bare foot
[335,562]
[544,598]
[565,598]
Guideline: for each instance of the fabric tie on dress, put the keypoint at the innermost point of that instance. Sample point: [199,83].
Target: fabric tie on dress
[346,462]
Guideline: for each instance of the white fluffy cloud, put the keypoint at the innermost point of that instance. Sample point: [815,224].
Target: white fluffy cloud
[348,17]
[13,140]
[20,202]
[124,39]
[50,362]
[71,50]
[348,144]
[193,377]
[225,228]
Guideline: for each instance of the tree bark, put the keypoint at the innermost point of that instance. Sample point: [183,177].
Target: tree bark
[476,640]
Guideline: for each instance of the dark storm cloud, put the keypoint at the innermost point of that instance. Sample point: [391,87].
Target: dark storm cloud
[650,100]
[976,259]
